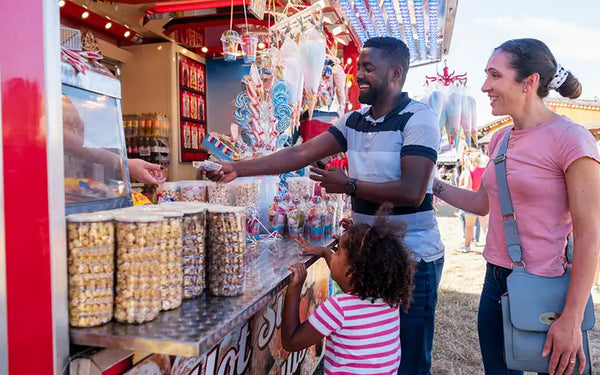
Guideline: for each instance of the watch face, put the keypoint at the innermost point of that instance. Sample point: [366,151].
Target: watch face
[350,188]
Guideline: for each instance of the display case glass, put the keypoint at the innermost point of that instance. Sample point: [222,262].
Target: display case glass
[95,159]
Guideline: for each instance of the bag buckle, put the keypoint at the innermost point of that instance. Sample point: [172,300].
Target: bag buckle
[510,216]
[521,262]
[499,158]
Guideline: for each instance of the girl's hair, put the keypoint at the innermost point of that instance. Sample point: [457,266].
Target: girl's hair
[380,264]
[528,56]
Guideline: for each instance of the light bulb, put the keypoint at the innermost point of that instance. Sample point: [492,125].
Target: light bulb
[85,14]
[108,25]
[127,33]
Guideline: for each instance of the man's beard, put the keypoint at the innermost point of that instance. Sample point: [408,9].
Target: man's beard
[372,96]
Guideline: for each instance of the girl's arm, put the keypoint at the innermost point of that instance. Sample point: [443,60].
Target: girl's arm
[475,202]
[564,337]
[319,251]
[296,336]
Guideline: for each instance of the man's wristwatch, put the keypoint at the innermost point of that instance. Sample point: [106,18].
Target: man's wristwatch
[350,187]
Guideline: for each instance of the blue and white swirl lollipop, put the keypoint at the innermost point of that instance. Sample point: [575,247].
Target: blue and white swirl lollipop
[282,111]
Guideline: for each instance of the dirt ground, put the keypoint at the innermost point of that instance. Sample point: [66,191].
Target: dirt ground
[456,347]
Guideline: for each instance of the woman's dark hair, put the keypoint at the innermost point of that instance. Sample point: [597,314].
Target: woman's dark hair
[380,264]
[528,56]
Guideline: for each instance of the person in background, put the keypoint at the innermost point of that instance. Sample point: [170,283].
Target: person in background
[468,220]
[477,164]
[362,325]
[391,146]
[553,172]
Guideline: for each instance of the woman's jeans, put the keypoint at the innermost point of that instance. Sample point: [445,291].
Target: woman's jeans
[489,322]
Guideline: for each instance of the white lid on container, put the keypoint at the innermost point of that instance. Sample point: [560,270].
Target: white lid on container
[138,217]
[90,217]
[185,207]
[169,213]
[173,185]
[217,209]
[192,183]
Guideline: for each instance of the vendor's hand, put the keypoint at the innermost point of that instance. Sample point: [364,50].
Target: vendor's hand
[346,223]
[309,249]
[564,341]
[332,180]
[227,173]
[140,171]
[298,275]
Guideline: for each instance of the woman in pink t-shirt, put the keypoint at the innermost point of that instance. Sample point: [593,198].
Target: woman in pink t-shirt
[553,173]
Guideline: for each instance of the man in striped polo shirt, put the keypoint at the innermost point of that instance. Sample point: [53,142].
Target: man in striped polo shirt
[392,149]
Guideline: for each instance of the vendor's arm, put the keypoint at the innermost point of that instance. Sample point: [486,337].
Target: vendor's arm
[294,335]
[583,186]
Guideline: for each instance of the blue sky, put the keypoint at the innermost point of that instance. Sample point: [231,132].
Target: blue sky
[571,30]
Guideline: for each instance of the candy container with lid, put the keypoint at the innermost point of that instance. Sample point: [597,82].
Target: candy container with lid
[171,246]
[194,191]
[247,192]
[221,194]
[296,219]
[138,267]
[193,255]
[168,192]
[90,242]
[316,220]
[277,216]
[226,250]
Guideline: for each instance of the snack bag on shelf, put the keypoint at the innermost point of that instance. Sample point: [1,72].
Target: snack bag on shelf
[296,219]
[316,220]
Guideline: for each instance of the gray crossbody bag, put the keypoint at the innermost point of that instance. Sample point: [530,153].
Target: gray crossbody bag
[533,302]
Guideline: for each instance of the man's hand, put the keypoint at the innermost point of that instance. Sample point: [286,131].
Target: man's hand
[298,275]
[333,180]
[140,170]
[227,173]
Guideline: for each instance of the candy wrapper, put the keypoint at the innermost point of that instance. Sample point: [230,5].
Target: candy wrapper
[296,218]
[252,225]
[316,221]
[277,217]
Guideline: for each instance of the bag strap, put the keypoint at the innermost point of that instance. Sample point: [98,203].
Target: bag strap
[509,219]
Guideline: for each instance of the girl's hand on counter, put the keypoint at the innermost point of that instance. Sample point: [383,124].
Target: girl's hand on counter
[298,275]
[308,248]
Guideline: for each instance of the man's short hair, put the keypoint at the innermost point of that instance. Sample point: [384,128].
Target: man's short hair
[394,50]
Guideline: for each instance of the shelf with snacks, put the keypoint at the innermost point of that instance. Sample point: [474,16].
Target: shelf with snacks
[195,91]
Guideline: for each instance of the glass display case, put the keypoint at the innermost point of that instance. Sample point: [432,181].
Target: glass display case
[95,158]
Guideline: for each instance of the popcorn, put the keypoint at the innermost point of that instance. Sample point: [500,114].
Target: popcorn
[226,249]
[138,267]
[90,240]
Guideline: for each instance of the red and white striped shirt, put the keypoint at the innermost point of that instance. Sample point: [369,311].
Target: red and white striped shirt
[362,337]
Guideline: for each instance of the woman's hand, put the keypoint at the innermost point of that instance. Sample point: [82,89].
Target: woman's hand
[564,341]
[346,223]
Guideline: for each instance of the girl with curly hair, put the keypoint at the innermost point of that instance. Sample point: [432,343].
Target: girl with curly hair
[375,271]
